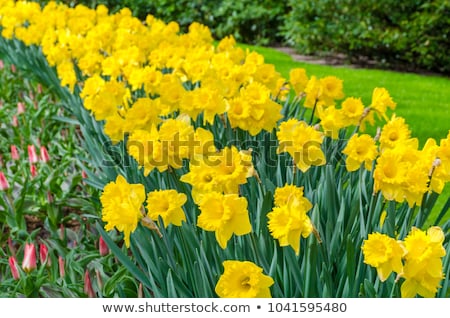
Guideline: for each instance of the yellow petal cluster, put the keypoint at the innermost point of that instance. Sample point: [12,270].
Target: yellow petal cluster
[423,262]
[417,259]
[360,149]
[352,110]
[394,132]
[221,172]
[298,80]
[253,109]
[243,280]
[302,142]
[405,173]
[166,204]
[384,253]
[225,214]
[323,92]
[440,170]
[121,206]
[381,100]
[163,148]
[288,220]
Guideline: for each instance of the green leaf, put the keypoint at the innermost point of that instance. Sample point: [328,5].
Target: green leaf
[111,284]
[369,289]
[123,258]
[171,290]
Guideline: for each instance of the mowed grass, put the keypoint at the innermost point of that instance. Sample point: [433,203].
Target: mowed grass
[423,100]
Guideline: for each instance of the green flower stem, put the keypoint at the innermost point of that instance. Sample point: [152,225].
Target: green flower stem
[313,111]
[394,285]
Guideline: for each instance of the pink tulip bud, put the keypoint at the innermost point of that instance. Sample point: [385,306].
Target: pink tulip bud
[2,65]
[62,271]
[14,153]
[102,247]
[33,171]
[84,176]
[4,185]
[20,108]
[15,121]
[13,68]
[14,266]
[44,154]
[88,285]
[29,257]
[43,255]
[32,156]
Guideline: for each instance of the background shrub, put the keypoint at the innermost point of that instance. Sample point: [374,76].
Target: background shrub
[412,34]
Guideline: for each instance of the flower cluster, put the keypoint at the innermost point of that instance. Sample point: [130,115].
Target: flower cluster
[166,204]
[220,172]
[288,220]
[423,262]
[29,261]
[225,214]
[302,142]
[171,72]
[121,204]
[168,146]
[384,253]
[360,149]
[243,280]
[418,259]
[215,181]
[123,207]
[403,172]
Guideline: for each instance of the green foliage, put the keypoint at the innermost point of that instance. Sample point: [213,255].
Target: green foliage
[249,21]
[43,196]
[410,33]
[53,208]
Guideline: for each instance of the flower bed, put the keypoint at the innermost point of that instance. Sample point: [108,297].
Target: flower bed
[212,164]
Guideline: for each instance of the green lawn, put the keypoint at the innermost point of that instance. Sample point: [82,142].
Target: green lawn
[423,100]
